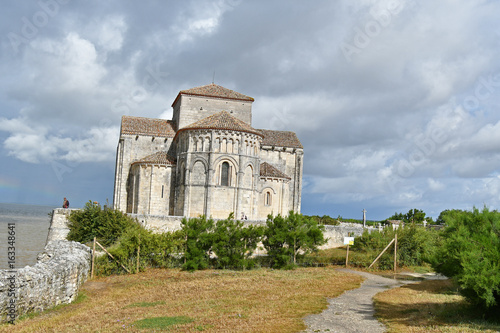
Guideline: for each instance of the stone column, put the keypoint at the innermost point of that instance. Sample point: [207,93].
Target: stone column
[239,180]
[210,178]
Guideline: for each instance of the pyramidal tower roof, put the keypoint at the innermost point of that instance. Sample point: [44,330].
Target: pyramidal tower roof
[214,90]
[223,121]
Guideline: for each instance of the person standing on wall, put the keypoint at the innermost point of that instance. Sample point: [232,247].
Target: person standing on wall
[65,203]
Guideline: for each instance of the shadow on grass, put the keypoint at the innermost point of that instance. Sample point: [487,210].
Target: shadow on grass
[431,304]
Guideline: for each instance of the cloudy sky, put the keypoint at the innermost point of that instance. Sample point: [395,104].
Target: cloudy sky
[396,102]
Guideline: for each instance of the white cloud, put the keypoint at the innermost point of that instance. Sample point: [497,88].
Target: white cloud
[67,64]
[110,33]
[435,185]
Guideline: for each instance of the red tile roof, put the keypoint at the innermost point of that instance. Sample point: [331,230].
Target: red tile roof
[214,90]
[224,121]
[147,126]
[280,139]
[160,157]
[269,171]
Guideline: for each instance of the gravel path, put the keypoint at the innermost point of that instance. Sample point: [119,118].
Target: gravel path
[353,311]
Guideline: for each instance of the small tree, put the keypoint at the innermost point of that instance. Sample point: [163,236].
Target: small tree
[470,254]
[107,224]
[285,239]
[233,243]
[414,216]
[198,233]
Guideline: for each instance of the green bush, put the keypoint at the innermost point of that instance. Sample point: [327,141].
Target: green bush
[291,237]
[230,242]
[125,239]
[325,219]
[154,250]
[107,225]
[234,244]
[416,245]
[198,233]
[470,254]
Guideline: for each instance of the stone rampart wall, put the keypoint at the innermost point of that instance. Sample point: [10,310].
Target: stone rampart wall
[60,270]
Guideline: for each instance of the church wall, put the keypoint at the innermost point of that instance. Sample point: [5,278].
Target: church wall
[198,190]
[247,193]
[159,194]
[133,189]
[278,200]
[288,161]
[223,201]
[190,109]
[132,148]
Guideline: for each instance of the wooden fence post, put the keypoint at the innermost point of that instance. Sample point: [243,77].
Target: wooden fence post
[109,254]
[347,256]
[381,253]
[93,259]
[138,252]
[395,252]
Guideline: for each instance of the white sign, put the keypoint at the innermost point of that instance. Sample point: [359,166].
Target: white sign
[348,240]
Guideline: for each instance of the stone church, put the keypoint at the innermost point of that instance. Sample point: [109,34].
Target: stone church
[208,160]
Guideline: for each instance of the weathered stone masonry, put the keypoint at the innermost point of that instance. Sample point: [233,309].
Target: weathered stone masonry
[55,279]
[208,160]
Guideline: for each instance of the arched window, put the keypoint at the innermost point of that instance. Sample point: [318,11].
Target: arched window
[225,174]
[267,199]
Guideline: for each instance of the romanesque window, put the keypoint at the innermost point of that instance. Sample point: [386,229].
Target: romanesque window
[225,174]
[267,199]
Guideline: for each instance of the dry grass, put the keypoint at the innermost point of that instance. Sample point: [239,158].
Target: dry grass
[429,306]
[218,301]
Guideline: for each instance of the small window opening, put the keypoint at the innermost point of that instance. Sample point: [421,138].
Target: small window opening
[268,199]
[224,178]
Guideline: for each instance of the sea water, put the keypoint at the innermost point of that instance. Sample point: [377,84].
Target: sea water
[30,224]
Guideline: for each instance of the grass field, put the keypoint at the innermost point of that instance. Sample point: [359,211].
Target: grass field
[260,300]
[429,306]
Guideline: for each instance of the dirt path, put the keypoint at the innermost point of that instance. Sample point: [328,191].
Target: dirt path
[353,311]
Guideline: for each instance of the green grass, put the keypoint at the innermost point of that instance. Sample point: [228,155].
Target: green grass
[162,322]
[144,304]
[430,306]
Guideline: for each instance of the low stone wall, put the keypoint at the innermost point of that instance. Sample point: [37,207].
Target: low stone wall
[158,223]
[335,233]
[60,270]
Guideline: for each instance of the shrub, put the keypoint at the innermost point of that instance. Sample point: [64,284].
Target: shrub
[198,233]
[287,238]
[122,236]
[156,250]
[233,243]
[416,245]
[470,254]
[107,225]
